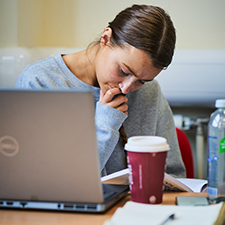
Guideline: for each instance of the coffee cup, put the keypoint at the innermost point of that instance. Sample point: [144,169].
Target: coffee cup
[146,157]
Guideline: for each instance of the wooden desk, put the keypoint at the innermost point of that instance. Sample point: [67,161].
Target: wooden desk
[15,217]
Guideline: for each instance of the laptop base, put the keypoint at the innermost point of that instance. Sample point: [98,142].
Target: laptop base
[69,206]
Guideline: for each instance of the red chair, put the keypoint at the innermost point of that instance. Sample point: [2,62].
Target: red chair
[186,152]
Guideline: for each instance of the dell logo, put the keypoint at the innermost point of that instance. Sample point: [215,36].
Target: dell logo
[9,146]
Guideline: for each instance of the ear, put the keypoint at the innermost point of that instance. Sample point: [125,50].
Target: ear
[106,35]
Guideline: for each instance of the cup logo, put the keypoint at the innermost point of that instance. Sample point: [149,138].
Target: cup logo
[9,146]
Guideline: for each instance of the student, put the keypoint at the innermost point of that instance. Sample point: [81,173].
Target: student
[120,69]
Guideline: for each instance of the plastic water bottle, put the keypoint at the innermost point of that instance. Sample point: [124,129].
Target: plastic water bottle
[216,153]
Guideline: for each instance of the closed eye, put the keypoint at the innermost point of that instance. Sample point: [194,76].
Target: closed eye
[142,81]
[123,73]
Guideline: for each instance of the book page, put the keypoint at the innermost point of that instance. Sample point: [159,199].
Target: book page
[197,185]
[121,177]
[173,184]
[136,213]
[170,183]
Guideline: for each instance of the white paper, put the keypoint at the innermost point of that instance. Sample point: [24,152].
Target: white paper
[120,177]
[143,214]
[195,184]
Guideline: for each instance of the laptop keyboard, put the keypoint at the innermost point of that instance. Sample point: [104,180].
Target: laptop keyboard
[108,194]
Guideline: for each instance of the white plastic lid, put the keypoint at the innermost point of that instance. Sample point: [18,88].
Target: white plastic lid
[220,103]
[147,144]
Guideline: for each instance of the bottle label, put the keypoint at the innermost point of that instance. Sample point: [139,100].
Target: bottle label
[222,145]
[212,192]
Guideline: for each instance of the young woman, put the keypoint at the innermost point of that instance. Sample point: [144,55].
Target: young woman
[120,69]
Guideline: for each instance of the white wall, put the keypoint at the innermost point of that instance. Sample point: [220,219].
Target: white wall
[199,23]
[75,23]
[8,24]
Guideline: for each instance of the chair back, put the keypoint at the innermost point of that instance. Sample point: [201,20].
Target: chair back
[186,153]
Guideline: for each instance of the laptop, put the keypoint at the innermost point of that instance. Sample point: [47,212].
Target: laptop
[48,153]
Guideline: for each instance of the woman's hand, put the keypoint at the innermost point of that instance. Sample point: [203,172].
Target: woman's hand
[118,103]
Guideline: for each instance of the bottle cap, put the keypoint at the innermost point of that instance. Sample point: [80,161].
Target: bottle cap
[220,103]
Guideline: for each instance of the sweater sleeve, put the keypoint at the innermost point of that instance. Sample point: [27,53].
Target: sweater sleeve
[108,122]
[35,76]
[47,73]
[25,80]
[166,128]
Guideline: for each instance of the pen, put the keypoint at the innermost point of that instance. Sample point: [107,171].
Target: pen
[171,217]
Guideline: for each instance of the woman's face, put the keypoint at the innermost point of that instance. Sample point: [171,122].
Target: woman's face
[127,68]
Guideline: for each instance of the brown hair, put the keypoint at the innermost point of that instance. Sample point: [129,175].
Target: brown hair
[148,28]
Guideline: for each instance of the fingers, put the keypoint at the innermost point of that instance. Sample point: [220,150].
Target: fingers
[114,99]
[123,108]
[119,100]
[108,96]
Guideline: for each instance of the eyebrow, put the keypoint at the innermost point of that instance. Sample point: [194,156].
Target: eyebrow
[134,73]
[130,69]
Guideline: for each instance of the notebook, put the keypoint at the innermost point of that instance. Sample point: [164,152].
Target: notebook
[48,153]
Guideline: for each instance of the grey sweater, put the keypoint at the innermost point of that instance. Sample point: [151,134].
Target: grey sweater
[148,114]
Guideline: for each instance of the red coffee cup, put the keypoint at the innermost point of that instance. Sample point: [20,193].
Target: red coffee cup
[146,156]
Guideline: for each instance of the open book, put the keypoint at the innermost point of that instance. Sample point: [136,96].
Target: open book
[170,183]
[133,213]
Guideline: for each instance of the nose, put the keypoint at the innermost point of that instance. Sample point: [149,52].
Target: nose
[126,84]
